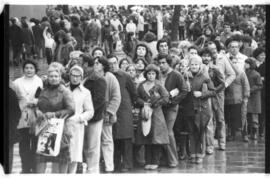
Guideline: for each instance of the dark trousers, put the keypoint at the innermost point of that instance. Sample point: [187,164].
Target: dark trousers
[123,154]
[27,150]
[48,53]
[17,51]
[138,155]
[152,153]
[181,32]
[253,120]
[197,139]
[141,34]
[233,118]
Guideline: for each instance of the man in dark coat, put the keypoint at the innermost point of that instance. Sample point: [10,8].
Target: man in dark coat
[16,40]
[176,86]
[38,36]
[14,115]
[123,128]
[96,84]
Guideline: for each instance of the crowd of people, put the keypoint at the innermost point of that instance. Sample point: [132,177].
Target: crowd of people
[134,96]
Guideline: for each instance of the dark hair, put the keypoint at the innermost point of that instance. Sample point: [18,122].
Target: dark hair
[162,41]
[100,49]
[258,51]
[122,60]
[167,57]
[193,47]
[151,67]
[247,39]
[63,34]
[104,62]
[30,62]
[144,62]
[205,51]
[147,54]
[112,56]
[87,59]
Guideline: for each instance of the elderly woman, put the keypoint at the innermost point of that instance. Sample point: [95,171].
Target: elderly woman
[196,110]
[26,89]
[55,100]
[151,93]
[63,48]
[84,111]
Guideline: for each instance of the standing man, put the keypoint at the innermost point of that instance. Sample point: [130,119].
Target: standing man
[16,40]
[123,128]
[177,88]
[96,84]
[226,69]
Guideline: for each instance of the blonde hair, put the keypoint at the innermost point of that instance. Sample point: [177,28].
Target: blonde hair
[57,67]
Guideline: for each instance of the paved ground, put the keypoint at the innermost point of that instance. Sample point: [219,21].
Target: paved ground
[239,157]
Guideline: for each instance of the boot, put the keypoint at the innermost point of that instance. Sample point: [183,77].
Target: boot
[183,151]
[254,134]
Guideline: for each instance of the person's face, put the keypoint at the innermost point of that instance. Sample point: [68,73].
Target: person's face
[208,31]
[140,65]
[54,78]
[206,58]
[163,48]
[113,64]
[141,51]
[132,71]
[124,65]
[29,70]
[98,67]
[151,76]
[98,53]
[234,48]
[261,57]
[193,52]
[247,66]
[164,66]
[75,77]
[194,66]
[227,28]
[183,66]
[106,23]
[213,50]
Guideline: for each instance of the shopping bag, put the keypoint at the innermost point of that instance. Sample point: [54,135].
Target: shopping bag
[147,119]
[49,140]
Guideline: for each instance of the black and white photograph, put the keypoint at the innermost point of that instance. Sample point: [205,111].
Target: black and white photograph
[141,89]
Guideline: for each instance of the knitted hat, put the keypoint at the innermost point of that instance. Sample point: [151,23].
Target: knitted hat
[78,68]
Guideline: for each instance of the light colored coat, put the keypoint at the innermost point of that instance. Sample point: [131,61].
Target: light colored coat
[84,111]
[25,90]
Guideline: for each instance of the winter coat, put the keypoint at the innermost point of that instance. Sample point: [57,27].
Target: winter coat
[199,107]
[27,36]
[123,128]
[158,133]
[106,33]
[92,32]
[113,95]
[38,35]
[97,86]
[256,85]
[77,33]
[14,115]
[83,111]
[64,56]
[56,99]
[15,36]
[238,90]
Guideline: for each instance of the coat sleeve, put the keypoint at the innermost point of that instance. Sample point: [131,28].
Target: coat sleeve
[258,85]
[88,109]
[115,98]
[183,89]
[131,89]
[245,85]
[210,89]
[69,105]
[220,79]
[164,96]
[140,102]
[229,73]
